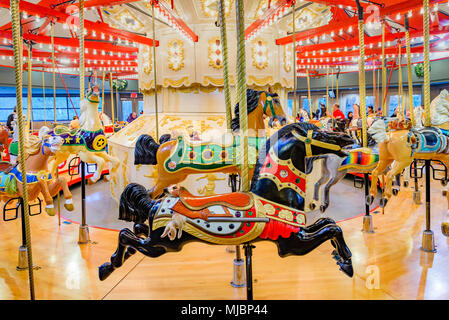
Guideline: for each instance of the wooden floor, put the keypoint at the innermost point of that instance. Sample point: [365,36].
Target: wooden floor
[69,271]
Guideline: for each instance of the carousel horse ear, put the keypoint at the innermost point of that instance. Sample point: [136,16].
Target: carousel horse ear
[43,132]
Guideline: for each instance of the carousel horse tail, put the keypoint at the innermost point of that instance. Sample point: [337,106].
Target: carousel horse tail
[135,204]
[146,150]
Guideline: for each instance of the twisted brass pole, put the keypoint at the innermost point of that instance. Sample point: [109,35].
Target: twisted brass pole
[53,62]
[43,93]
[17,39]
[426,64]
[154,73]
[241,70]
[409,71]
[224,47]
[362,83]
[30,91]
[102,91]
[294,105]
[401,94]
[384,74]
[81,41]
[309,94]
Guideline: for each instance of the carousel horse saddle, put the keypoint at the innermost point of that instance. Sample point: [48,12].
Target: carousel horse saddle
[431,140]
[210,156]
[94,141]
[238,200]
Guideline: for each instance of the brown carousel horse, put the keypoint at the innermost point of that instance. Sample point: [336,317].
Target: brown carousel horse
[38,151]
[4,138]
[176,159]
[403,145]
[273,210]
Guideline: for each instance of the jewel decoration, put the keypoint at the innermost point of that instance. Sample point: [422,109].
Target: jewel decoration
[260,53]
[176,55]
[215,53]
[210,7]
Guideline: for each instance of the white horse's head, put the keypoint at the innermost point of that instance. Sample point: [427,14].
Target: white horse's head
[89,119]
[378,131]
[440,108]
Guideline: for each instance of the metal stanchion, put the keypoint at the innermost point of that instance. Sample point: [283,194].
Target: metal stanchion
[367,218]
[428,239]
[23,262]
[84,228]
[249,270]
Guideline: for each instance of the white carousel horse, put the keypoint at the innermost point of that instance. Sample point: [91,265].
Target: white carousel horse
[89,141]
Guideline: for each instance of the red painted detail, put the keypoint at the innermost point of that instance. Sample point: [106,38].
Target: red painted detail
[275,229]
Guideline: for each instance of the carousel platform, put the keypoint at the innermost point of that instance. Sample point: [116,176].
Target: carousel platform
[70,271]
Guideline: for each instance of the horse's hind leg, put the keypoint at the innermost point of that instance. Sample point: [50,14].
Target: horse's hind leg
[128,239]
[140,229]
[302,243]
[327,187]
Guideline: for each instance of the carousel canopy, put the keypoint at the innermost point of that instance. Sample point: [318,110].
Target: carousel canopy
[326,30]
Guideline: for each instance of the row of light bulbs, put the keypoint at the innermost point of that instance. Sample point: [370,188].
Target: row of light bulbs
[267,23]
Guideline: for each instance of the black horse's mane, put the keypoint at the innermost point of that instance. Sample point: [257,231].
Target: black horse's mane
[302,128]
[252,99]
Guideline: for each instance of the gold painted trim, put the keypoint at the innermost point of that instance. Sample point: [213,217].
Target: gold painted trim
[180,52]
[282,185]
[287,163]
[255,52]
[252,80]
[211,52]
[176,83]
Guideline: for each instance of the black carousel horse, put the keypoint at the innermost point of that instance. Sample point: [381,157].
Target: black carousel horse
[273,209]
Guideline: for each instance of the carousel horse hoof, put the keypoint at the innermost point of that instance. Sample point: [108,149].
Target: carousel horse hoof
[369,200]
[69,206]
[50,211]
[444,193]
[445,229]
[395,192]
[444,182]
[105,270]
[107,177]
[90,181]
[405,184]
[336,256]
[312,206]
[323,208]
[346,267]
[383,202]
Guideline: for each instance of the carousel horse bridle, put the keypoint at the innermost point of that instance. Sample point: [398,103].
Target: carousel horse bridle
[309,141]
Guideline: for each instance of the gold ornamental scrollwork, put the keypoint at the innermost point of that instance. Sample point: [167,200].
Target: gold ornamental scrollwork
[215,53]
[175,55]
[260,53]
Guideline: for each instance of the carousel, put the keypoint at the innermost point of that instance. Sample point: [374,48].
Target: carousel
[273,150]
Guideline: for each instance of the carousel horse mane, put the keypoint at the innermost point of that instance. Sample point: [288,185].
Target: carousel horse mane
[252,98]
[145,151]
[164,138]
[440,108]
[302,128]
[135,204]
[83,114]
[33,143]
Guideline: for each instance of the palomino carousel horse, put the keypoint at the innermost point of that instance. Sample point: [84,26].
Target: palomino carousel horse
[404,145]
[89,141]
[176,159]
[38,151]
[273,209]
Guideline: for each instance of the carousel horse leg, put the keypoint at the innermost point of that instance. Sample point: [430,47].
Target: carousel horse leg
[90,157]
[333,180]
[396,168]
[325,174]
[113,160]
[153,246]
[303,242]
[61,182]
[49,207]
[380,168]
[60,157]
[140,230]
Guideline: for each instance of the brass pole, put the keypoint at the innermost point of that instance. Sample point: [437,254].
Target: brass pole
[17,39]
[154,73]
[241,70]
[224,46]
[384,74]
[81,44]
[409,71]
[426,64]
[30,91]
[102,93]
[294,105]
[53,62]
[309,95]
[43,92]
